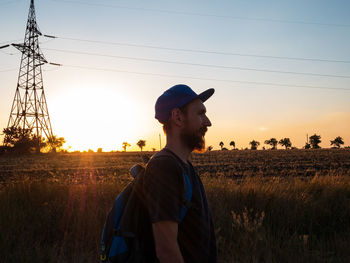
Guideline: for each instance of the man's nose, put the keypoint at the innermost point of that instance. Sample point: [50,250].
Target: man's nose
[207,122]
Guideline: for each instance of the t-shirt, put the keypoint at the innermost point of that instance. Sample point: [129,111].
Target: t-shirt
[164,191]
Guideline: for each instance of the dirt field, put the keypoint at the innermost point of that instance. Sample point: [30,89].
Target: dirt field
[267,206]
[233,164]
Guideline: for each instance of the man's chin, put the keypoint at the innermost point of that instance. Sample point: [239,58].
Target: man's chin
[195,142]
[200,148]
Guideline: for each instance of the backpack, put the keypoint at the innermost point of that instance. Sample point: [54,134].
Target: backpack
[128,229]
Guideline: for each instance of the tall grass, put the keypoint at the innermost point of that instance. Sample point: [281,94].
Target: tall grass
[282,219]
[256,219]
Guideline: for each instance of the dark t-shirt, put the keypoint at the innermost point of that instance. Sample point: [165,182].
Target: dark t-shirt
[164,190]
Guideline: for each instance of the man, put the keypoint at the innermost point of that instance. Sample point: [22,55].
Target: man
[183,115]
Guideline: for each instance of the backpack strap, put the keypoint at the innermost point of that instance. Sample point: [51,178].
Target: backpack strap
[188,196]
[187,192]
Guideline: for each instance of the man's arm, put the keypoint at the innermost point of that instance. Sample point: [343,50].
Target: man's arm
[165,238]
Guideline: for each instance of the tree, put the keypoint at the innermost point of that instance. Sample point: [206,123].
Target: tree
[254,144]
[209,148]
[22,140]
[14,134]
[141,144]
[99,150]
[125,144]
[337,141]
[272,142]
[232,143]
[285,142]
[315,140]
[221,144]
[307,145]
[55,143]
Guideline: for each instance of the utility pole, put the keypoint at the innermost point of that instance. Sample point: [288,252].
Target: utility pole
[29,107]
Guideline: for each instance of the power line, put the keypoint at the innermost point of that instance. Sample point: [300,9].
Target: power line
[195,78]
[199,64]
[204,79]
[208,15]
[7,70]
[10,41]
[205,51]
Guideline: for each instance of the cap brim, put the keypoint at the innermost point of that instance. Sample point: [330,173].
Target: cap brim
[206,94]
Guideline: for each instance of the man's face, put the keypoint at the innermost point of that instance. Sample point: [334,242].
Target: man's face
[195,125]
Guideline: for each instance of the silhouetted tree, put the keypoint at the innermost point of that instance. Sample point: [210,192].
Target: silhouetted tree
[254,144]
[153,149]
[272,142]
[338,141]
[221,145]
[14,134]
[315,140]
[307,145]
[22,140]
[233,144]
[285,142]
[125,144]
[141,144]
[54,143]
[210,148]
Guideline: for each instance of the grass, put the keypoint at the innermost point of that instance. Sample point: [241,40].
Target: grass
[275,220]
[56,217]
[282,220]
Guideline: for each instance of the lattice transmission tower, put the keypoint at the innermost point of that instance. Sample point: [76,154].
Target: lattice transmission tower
[29,107]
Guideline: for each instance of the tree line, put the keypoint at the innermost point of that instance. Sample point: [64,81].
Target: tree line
[20,140]
[312,143]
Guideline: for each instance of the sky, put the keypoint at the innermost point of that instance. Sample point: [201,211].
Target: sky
[279,68]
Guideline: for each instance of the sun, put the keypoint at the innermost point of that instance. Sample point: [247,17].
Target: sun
[92,118]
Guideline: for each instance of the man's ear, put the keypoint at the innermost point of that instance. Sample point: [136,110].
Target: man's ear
[177,117]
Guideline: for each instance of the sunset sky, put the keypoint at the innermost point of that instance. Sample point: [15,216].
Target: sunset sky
[279,68]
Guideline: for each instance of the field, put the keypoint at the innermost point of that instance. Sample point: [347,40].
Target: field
[268,206]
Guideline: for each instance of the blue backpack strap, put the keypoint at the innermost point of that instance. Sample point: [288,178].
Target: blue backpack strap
[188,196]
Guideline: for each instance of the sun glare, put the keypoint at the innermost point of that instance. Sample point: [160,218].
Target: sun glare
[94,118]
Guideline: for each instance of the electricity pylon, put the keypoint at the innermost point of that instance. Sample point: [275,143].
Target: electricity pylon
[29,107]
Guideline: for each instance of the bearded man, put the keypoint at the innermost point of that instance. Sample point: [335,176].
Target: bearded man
[191,238]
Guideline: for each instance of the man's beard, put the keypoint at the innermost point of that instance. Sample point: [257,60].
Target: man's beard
[194,139]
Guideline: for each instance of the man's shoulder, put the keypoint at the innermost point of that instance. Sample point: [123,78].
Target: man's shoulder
[164,156]
[164,162]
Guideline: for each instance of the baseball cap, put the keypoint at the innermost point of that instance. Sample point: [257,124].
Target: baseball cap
[177,97]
